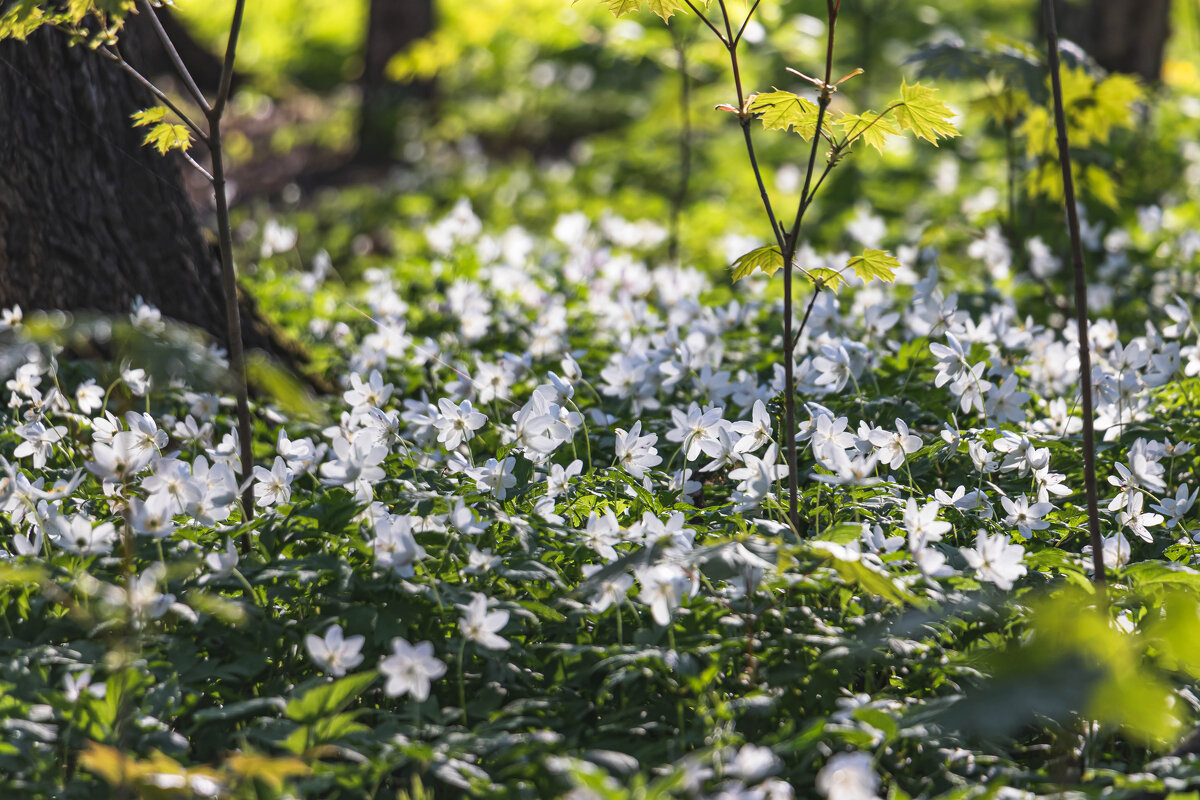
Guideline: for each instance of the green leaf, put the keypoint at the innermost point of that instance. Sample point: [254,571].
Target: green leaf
[620,8]
[831,279]
[768,259]
[149,116]
[665,8]
[871,128]
[783,110]
[878,264]
[927,118]
[239,710]
[326,699]
[166,136]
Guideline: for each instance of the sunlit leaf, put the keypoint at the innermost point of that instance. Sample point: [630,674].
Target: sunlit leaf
[927,117]
[765,259]
[875,264]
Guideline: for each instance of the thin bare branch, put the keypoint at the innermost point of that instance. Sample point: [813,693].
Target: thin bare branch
[1081,309]
[745,22]
[118,59]
[706,21]
[196,164]
[173,55]
[235,29]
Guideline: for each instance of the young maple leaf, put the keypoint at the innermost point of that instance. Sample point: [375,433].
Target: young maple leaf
[927,118]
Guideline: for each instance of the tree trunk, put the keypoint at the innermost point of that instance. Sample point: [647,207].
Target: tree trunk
[89,217]
[1122,35]
[392,25]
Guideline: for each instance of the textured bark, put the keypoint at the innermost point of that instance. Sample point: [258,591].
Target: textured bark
[392,25]
[1122,35]
[89,218]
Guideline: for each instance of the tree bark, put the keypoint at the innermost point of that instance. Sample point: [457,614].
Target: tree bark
[1127,36]
[392,25]
[90,218]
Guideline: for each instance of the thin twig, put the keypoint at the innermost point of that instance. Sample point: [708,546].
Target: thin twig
[233,318]
[1081,311]
[749,16]
[235,28]
[173,55]
[119,60]
[706,21]
[685,145]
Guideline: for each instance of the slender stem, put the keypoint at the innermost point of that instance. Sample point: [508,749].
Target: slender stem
[1081,311]
[706,21]
[237,357]
[749,16]
[235,28]
[685,144]
[745,119]
[173,55]
[119,60]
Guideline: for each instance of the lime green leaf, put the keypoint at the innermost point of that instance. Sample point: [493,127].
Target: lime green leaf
[665,8]
[783,110]
[869,127]
[1101,185]
[878,264]
[767,259]
[166,136]
[149,116]
[829,278]
[329,698]
[620,8]
[926,117]
[21,19]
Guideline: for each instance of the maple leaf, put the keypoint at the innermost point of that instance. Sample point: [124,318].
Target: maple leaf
[926,117]
[665,8]
[869,127]
[783,110]
[878,264]
[620,8]
[768,259]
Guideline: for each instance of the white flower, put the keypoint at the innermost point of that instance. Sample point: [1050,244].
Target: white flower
[636,453]
[334,653]
[410,669]
[366,394]
[152,517]
[754,432]
[922,524]
[482,626]
[1176,508]
[273,486]
[224,561]
[610,592]
[76,535]
[1024,517]
[89,397]
[559,478]
[1133,518]
[663,586]
[995,559]
[39,441]
[496,478]
[695,430]
[894,447]
[753,763]
[1004,403]
[394,546]
[457,424]
[849,776]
